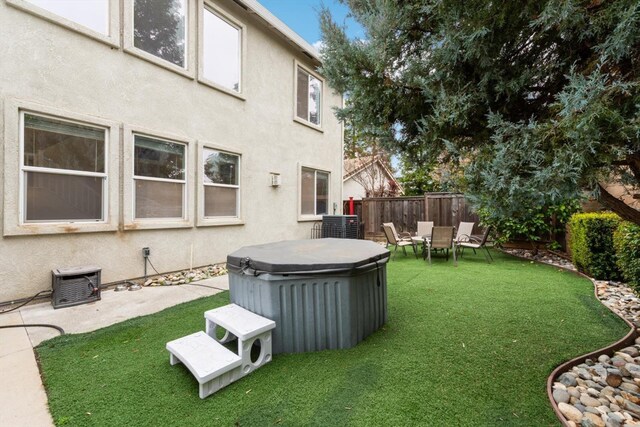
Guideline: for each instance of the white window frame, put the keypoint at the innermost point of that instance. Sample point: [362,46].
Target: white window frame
[130,220]
[300,120]
[182,181]
[204,221]
[214,9]
[14,197]
[190,41]
[112,39]
[66,172]
[314,216]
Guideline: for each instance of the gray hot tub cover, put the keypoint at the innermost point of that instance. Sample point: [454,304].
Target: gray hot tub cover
[307,256]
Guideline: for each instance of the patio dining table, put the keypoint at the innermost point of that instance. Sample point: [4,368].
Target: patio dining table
[425,241]
[420,239]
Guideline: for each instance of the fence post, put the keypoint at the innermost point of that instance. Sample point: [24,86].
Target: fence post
[426,206]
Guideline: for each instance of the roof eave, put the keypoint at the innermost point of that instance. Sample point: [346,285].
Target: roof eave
[357,169]
[370,163]
[276,25]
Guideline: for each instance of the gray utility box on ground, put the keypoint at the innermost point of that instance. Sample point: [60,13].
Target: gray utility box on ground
[75,285]
[322,294]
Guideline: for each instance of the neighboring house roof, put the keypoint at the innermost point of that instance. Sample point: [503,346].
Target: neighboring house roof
[354,166]
[252,6]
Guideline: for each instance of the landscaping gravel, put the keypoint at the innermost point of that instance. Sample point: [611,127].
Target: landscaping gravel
[543,256]
[187,276]
[603,392]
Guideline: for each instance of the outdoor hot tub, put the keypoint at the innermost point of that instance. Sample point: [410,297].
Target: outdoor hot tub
[322,293]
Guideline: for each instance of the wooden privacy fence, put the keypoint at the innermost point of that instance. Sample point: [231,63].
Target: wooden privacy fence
[449,209]
[405,212]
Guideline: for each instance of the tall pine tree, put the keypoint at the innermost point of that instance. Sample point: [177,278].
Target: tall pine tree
[536,99]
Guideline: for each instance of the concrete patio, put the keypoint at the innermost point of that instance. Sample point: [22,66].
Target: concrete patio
[22,396]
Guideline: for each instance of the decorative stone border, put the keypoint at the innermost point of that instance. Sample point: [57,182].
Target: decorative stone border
[628,340]
[186,276]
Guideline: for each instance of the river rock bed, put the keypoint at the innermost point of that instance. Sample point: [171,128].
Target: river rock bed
[619,298]
[187,276]
[603,392]
[542,256]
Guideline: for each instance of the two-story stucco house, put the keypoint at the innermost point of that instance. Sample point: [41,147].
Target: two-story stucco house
[191,127]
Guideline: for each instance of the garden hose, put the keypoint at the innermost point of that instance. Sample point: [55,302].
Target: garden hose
[35,325]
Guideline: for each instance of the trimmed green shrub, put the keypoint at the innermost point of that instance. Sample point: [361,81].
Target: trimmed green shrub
[626,240]
[591,242]
[535,224]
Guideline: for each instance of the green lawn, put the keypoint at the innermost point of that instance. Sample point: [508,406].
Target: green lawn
[471,345]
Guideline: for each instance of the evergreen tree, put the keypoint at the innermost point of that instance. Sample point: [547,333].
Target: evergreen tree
[416,179]
[535,99]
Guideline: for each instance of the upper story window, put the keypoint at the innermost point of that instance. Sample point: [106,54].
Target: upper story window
[221,51]
[221,184]
[308,96]
[159,178]
[93,14]
[160,28]
[314,192]
[63,170]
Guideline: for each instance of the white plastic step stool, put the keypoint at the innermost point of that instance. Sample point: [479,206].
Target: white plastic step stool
[212,364]
[248,327]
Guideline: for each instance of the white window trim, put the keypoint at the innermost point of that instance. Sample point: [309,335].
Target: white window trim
[203,221]
[130,222]
[202,4]
[296,65]
[190,38]
[67,172]
[13,162]
[306,217]
[112,39]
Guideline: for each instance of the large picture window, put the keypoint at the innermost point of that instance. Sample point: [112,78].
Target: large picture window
[314,192]
[221,51]
[63,170]
[160,28]
[308,97]
[159,178]
[93,14]
[221,184]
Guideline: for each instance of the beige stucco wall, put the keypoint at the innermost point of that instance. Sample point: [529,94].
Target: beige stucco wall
[64,71]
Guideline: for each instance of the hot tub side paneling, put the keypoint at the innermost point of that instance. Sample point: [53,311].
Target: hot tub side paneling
[314,313]
[370,301]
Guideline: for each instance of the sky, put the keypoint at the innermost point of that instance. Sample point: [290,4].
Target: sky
[302,17]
